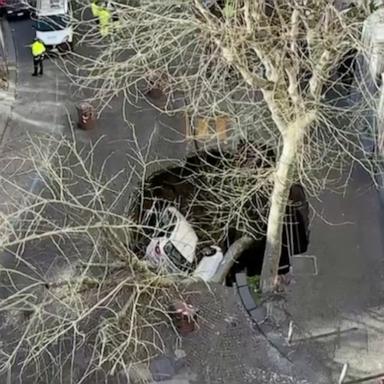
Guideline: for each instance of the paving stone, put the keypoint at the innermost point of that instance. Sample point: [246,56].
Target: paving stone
[258,314]
[241,279]
[247,298]
[162,368]
[229,348]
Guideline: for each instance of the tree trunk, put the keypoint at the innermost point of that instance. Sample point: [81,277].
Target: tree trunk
[279,198]
[232,254]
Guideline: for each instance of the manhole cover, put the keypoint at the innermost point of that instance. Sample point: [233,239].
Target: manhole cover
[304,265]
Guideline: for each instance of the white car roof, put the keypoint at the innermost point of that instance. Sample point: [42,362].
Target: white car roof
[183,236]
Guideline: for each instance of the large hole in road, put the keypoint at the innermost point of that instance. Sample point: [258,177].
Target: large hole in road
[209,214]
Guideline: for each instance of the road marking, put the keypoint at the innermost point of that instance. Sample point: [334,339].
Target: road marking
[56,98]
[343,373]
[37,123]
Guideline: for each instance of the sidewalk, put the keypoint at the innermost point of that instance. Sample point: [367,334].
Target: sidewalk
[342,306]
[227,349]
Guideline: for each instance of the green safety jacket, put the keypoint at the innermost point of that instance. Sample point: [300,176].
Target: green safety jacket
[95,9]
[229,9]
[38,48]
[104,18]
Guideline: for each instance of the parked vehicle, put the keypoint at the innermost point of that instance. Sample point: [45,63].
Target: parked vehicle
[14,9]
[209,264]
[2,7]
[173,244]
[53,24]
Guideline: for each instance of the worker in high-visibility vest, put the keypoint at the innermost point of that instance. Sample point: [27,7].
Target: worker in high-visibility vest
[95,9]
[105,21]
[38,51]
[229,9]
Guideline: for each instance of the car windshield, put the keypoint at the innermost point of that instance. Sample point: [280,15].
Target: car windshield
[52,23]
[176,257]
[167,222]
[16,3]
[159,224]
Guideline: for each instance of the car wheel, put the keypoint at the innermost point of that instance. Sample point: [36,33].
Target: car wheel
[64,47]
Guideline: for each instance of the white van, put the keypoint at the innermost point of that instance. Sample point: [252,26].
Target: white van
[53,24]
[172,247]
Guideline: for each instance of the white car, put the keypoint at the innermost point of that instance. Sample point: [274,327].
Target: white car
[172,248]
[53,24]
[209,264]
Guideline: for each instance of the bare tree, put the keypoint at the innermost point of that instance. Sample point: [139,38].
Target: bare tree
[276,69]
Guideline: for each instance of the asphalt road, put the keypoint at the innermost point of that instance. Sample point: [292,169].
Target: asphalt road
[125,140]
[47,105]
[40,101]
[117,149]
[23,34]
[125,136]
[40,108]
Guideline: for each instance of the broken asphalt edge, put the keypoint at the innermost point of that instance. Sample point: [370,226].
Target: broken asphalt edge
[257,312]
[261,317]
[10,61]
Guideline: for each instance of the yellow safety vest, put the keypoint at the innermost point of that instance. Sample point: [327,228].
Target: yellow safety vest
[104,18]
[95,9]
[38,48]
[229,9]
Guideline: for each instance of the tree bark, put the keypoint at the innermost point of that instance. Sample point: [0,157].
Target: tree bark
[279,198]
[230,257]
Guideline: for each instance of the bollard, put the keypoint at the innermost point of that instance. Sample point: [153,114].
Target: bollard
[87,116]
[184,317]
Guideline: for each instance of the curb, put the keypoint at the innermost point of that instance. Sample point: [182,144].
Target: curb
[302,362]
[257,312]
[10,60]
[260,316]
